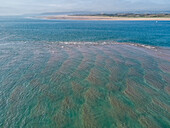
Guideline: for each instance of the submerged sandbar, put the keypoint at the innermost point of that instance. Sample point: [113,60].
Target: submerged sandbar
[84,84]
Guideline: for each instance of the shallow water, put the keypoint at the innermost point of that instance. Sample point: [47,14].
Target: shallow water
[78,84]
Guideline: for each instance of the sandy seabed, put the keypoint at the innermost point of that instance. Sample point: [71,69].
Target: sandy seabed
[84,85]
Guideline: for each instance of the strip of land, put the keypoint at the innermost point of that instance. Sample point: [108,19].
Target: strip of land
[86,17]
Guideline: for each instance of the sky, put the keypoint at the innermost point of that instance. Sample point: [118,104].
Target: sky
[17,7]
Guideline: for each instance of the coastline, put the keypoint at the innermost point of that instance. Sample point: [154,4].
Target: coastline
[67,17]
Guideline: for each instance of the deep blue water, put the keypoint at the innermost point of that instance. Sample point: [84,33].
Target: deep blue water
[144,32]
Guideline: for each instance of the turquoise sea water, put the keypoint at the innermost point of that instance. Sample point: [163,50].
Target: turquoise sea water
[75,74]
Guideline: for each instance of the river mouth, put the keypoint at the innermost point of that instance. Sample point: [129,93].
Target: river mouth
[84,84]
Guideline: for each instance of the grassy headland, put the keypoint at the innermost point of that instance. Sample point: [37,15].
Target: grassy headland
[132,15]
[121,16]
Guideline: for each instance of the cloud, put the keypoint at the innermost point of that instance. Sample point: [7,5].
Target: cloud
[38,6]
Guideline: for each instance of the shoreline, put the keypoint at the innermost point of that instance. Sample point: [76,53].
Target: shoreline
[100,18]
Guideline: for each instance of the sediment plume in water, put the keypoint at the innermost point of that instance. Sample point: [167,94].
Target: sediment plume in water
[84,84]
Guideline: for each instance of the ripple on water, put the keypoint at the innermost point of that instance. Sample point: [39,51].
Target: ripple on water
[84,84]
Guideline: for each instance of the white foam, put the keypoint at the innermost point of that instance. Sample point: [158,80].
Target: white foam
[104,43]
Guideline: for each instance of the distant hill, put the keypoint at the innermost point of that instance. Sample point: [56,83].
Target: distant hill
[131,15]
[68,13]
[88,12]
[127,13]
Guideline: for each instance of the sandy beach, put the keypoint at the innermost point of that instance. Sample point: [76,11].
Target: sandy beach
[66,17]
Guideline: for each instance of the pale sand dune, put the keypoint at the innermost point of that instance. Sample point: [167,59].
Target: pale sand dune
[66,17]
